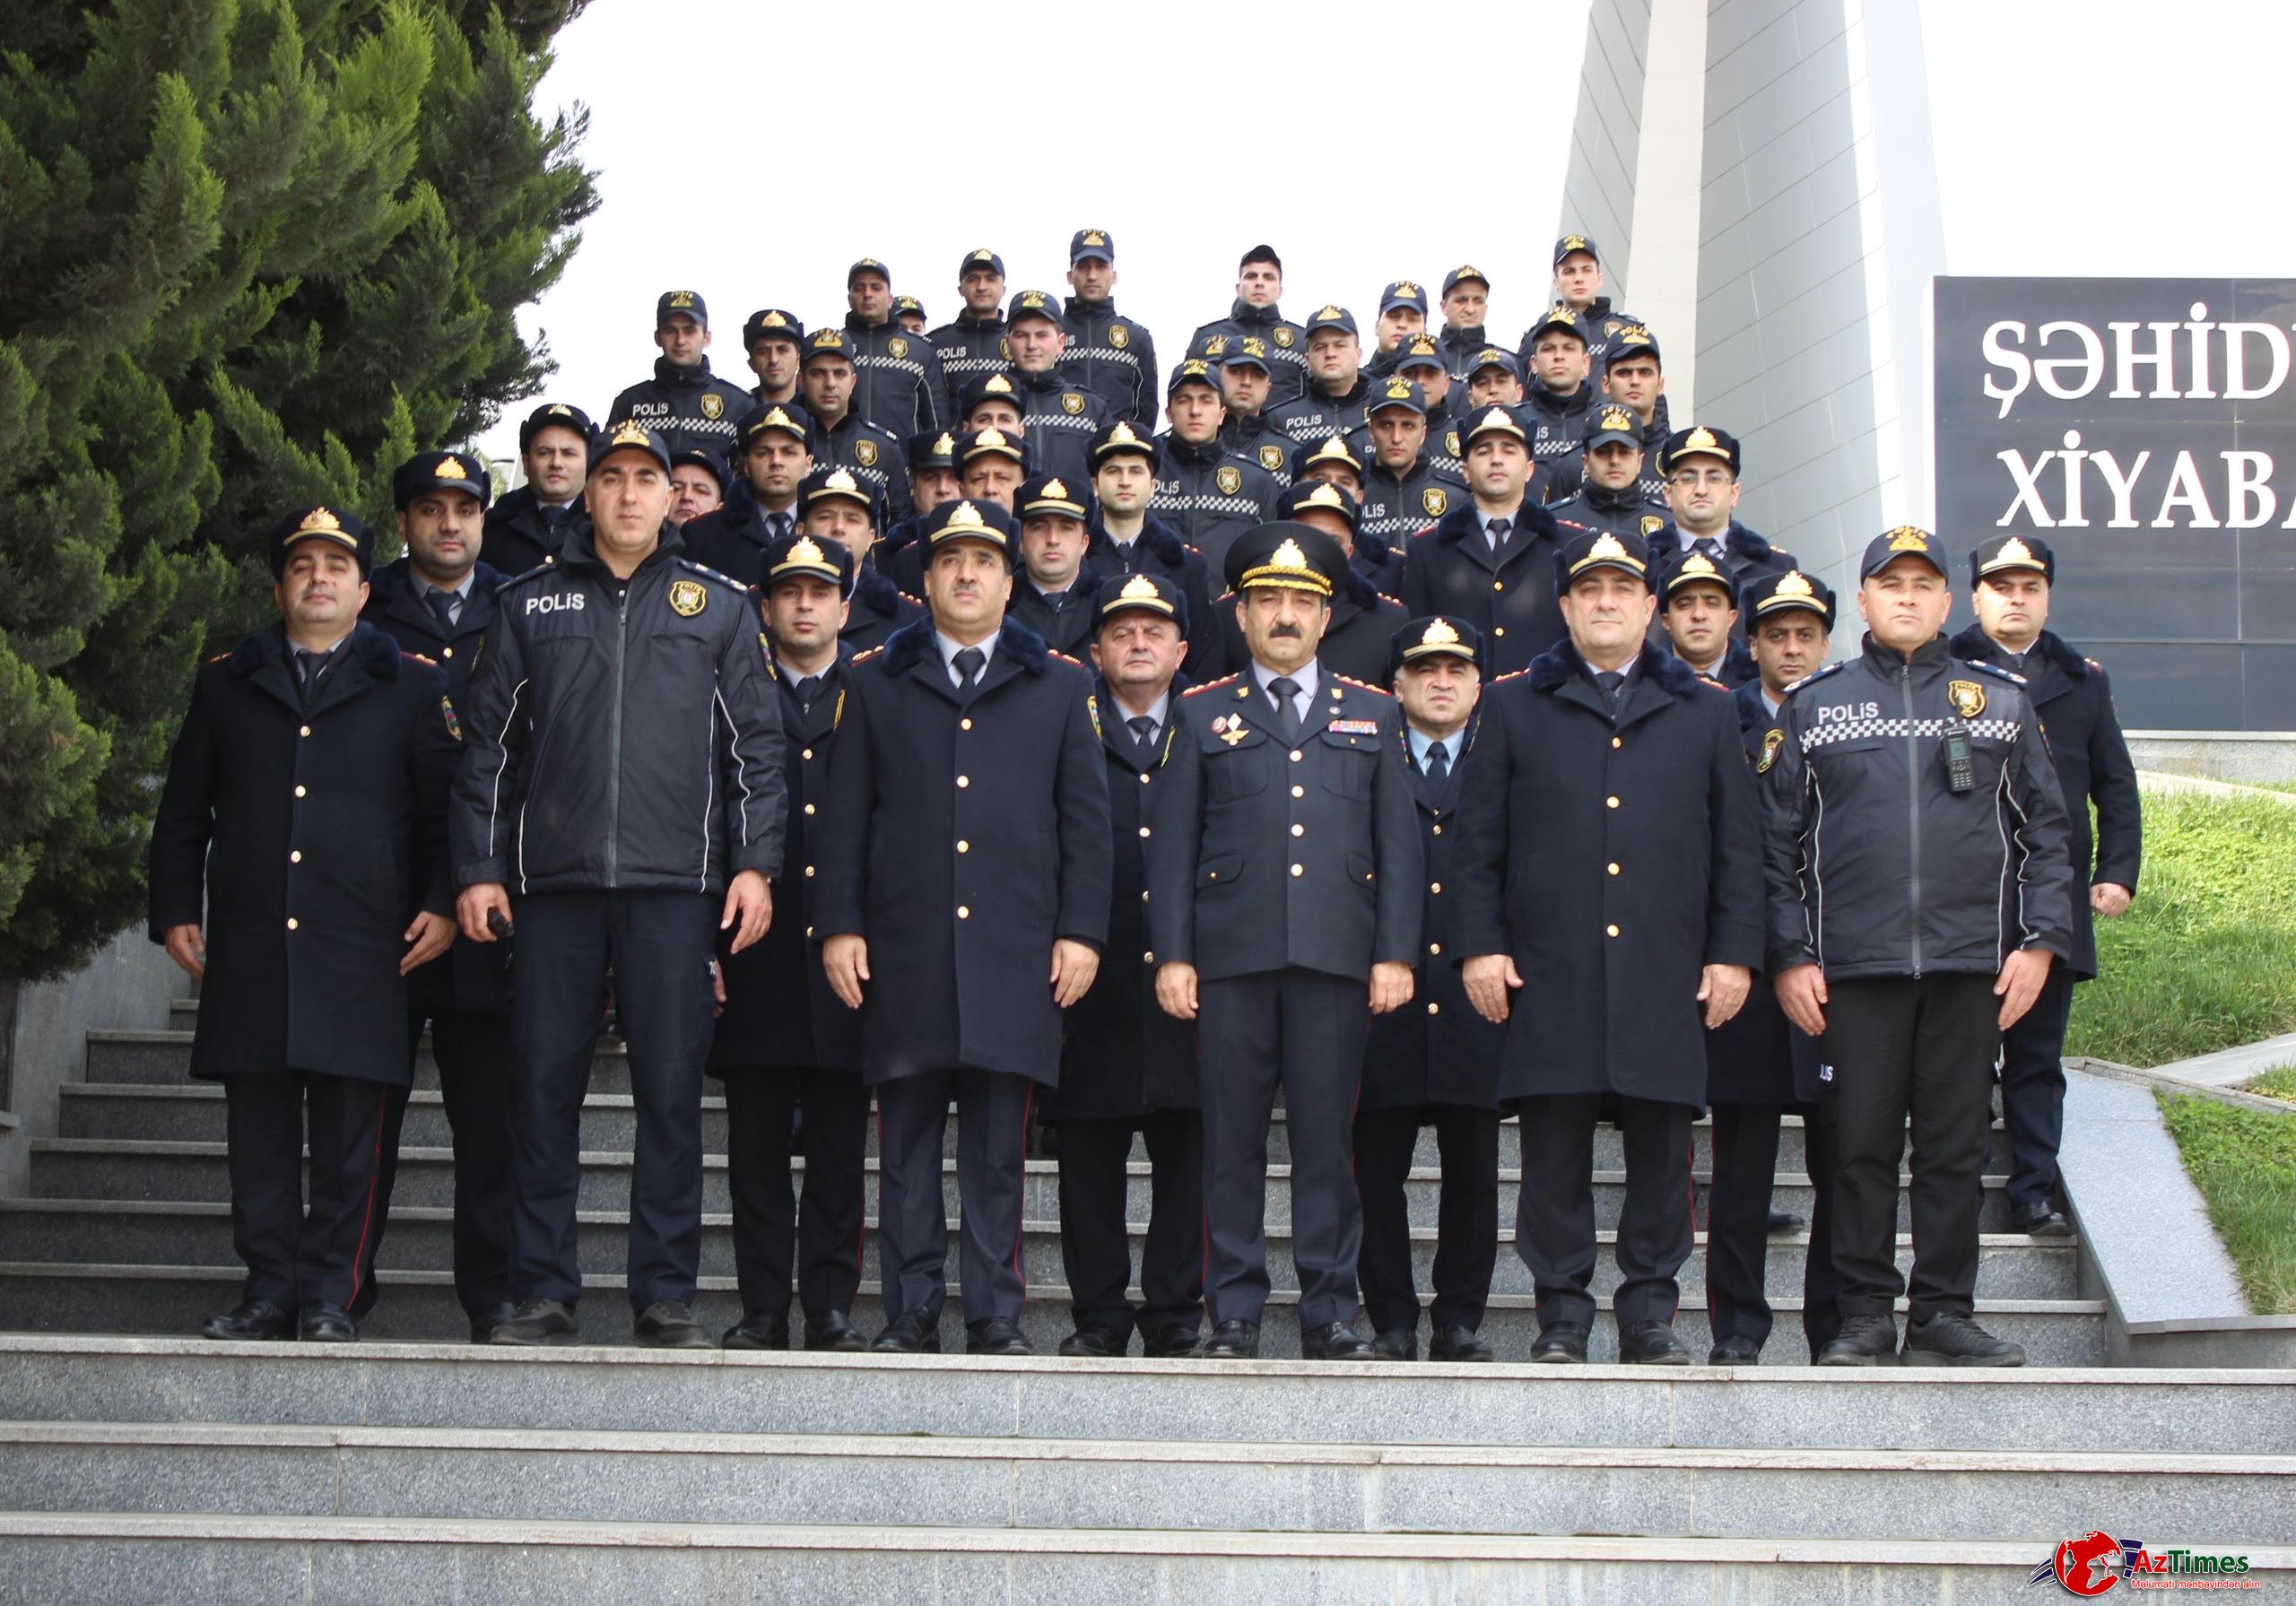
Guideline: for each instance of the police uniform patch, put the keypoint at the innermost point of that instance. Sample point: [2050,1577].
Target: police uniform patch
[1230,480]
[864,452]
[1451,442]
[1612,327]
[1071,403]
[1283,338]
[897,346]
[1092,708]
[1772,740]
[1004,348]
[454,726]
[1652,523]
[713,405]
[1436,503]
[1271,458]
[688,597]
[1120,336]
[1967,696]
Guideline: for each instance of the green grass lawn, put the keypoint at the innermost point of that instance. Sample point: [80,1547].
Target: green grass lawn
[2205,959]
[2244,1161]
[2279,1082]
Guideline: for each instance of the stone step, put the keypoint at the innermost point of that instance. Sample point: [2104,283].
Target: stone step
[498,1475]
[76,1296]
[180,1378]
[421,1239]
[120,1168]
[108,1557]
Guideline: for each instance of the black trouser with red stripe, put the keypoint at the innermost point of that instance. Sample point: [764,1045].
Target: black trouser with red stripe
[1466,1214]
[322,1253]
[1554,1213]
[992,1174]
[822,1225]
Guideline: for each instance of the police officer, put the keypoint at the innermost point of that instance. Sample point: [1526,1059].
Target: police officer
[1338,389]
[1359,628]
[2009,580]
[696,485]
[1758,1065]
[971,346]
[1557,394]
[1335,460]
[1421,360]
[624,686]
[1207,493]
[1402,313]
[898,386]
[1283,876]
[1702,466]
[300,829]
[841,432]
[1697,616]
[524,529]
[1110,355]
[770,441]
[1493,379]
[1609,494]
[1910,949]
[1466,297]
[1491,561]
[1342,519]
[1055,593]
[1633,378]
[1579,286]
[684,403]
[989,401]
[1259,286]
[833,504]
[1241,361]
[1610,871]
[908,312]
[1434,1063]
[1126,537]
[775,341]
[932,459]
[969,746]
[438,603]
[1127,1065]
[784,1044]
[1059,418]
[1405,490]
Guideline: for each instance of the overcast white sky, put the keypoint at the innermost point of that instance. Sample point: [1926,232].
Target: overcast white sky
[778,143]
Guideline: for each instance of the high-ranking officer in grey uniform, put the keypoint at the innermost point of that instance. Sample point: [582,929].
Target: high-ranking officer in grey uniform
[1127,1066]
[1434,1063]
[1610,872]
[298,870]
[961,897]
[1914,836]
[1285,876]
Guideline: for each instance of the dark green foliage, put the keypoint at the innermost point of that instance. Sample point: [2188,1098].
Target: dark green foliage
[252,253]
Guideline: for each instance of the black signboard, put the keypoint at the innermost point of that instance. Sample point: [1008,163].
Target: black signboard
[2145,427]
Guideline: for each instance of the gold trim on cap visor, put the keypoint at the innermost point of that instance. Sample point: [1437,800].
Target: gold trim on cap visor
[1610,550]
[806,555]
[1139,592]
[2014,554]
[1287,568]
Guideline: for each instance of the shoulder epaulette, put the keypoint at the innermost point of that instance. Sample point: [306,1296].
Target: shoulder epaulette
[1349,679]
[1054,652]
[708,573]
[907,598]
[525,575]
[1817,674]
[2092,664]
[218,658]
[1996,670]
[1708,680]
[1225,679]
[1512,674]
[859,658]
[419,658]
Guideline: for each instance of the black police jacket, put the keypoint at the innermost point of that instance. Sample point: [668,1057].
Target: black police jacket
[877,608]
[733,539]
[1397,506]
[1759,1056]
[897,387]
[1253,436]
[1626,512]
[1359,638]
[1311,415]
[1876,866]
[962,837]
[1612,858]
[520,533]
[1379,563]
[2073,701]
[1113,357]
[779,1011]
[1058,420]
[1124,1055]
[967,348]
[1436,1049]
[1509,597]
[1233,888]
[1287,345]
[1158,550]
[1558,422]
[619,744]
[1461,347]
[470,976]
[873,453]
[691,408]
[305,840]
[1210,495]
[1064,622]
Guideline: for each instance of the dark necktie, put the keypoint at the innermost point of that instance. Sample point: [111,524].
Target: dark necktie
[442,603]
[1707,546]
[1439,763]
[779,524]
[1610,681]
[1285,690]
[1500,529]
[1143,732]
[308,666]
[807,690]
[969,661]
